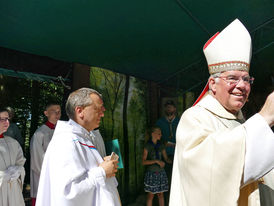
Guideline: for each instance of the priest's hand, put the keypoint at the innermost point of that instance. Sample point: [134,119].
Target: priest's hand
[267,111]
[110,167]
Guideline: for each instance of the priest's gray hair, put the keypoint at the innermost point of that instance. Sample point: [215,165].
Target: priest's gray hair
[80,98]
[214,76]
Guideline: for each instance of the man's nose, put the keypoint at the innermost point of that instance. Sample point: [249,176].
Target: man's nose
[241,83]
[102,113]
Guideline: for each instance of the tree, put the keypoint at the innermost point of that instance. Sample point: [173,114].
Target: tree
[137,118]
[110,85]
[125,135]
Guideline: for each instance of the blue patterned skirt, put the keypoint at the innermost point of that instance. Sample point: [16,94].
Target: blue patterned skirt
[156,182]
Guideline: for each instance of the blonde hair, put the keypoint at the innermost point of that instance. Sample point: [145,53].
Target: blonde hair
[149,132]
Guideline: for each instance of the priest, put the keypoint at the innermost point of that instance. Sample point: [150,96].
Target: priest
[73,171]
[220,157]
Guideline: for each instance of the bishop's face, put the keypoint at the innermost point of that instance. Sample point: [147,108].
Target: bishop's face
[231,96]
[4,122]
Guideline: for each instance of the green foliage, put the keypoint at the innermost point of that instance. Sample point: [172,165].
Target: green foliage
[28,98]
[137,127]
[112,86]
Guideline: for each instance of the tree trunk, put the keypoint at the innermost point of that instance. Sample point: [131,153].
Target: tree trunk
[112,125]
[35,91]
[126,144]
[135,161]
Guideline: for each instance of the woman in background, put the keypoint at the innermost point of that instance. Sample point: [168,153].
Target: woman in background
[12,172]
[155,181]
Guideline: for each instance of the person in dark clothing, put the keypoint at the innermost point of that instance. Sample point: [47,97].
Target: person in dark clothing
[156,181]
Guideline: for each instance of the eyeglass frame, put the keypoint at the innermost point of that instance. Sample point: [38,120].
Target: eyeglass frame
[4,119]
[250,80]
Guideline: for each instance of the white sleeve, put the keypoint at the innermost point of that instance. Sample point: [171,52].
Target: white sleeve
[37,152]
[259,158]
[97,176]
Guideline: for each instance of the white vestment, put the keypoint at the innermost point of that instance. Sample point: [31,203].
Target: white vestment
[216,155]
[98,142]
[12,172]
[71,175]
[38,146]
[269,179]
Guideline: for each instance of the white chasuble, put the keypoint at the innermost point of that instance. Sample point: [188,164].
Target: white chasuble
[71,175]
[209,160]
[12,172]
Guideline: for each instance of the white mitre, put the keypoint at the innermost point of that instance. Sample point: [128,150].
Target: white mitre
[229,50]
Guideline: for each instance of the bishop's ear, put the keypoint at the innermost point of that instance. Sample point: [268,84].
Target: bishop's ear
[212,84]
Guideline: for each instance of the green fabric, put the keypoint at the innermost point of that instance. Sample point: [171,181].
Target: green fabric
[154,40]
[114,146]
[31,76]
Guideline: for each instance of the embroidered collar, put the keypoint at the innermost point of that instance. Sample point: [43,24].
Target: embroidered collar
[1,135]
[50,125]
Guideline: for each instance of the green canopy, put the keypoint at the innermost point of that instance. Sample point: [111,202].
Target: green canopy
[158,40]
